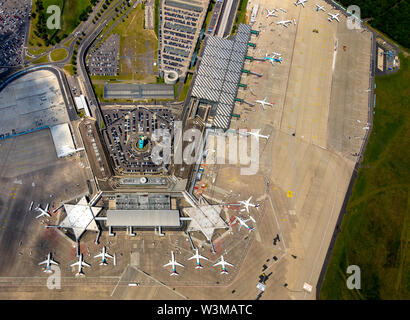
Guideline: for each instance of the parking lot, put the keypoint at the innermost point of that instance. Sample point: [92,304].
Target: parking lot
[179,27]
[14,22]
[104,60]
[124,126]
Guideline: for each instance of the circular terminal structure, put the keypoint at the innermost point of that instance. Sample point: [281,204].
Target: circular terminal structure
[170,76]
[143,180]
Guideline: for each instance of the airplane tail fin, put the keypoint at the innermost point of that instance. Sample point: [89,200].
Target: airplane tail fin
[223,271]
[174,273]
[103,263]
[79,274]
[198,266]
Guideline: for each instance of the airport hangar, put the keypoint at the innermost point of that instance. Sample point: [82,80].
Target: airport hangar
[35,102]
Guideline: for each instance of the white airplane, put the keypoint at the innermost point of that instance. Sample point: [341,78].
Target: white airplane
[318,8]
[263,102]
[243,223]
[223,263]
[48,263]
[271,13]
[103,256]
[247,204]
[197,256]
[173,263]
[273,59]
[366,128]
[333,17]
[284,22]
[44,212]
[257,135]
[302,2]
[80,265]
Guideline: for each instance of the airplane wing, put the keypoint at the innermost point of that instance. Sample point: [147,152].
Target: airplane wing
[218,263]
[43,262]
[75,264]
[193,257]
[85,264]
[109,256]
[99,255]
[178,264]
[240,226]
[168,264]
[228,264]
[53,262]
[40,215]
[199,256]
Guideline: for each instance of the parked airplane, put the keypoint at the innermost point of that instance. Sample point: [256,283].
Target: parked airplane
[333,17]
[257,135]
[273,59]
[243,223]
[302,2]
[103,256]
[263,102]
[80,263]
[270,13]
[173,263]
[283,10]
[44,212]
[318,8]
[197,256]
[48,263]
[223,263]
[284,22]
[247,204]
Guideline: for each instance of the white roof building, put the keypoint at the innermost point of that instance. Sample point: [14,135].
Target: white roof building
[63,140]
[80,217]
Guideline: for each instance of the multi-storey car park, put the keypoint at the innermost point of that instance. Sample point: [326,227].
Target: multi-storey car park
[180,25]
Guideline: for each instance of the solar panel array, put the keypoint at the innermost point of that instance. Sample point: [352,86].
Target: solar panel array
[219,73]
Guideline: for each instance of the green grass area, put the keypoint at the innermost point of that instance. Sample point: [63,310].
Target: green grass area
[72,13]
[390,17]
[185,88]
[43,59]
[137,46]
[69,68]
[376,227]
[59,54]
[240,15]
[36,52]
